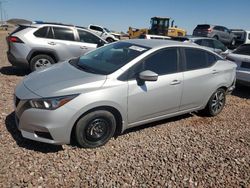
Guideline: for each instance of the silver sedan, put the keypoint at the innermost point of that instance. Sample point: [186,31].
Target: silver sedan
[119,86]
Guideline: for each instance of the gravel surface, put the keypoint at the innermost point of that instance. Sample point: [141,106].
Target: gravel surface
[187,151]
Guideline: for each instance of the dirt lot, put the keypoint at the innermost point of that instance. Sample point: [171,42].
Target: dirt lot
[187,151]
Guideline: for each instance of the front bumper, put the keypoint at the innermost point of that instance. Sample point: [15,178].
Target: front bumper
[49,126]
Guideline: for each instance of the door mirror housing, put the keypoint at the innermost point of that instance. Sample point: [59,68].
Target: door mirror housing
[101,43]
[148,75]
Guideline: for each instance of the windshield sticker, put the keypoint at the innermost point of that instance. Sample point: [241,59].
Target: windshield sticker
[137,48]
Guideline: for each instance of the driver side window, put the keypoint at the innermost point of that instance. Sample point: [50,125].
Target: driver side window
[162,62]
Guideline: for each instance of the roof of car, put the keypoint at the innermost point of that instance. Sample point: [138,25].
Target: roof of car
[155,43]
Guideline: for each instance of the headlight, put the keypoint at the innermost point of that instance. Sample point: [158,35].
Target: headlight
[51,103]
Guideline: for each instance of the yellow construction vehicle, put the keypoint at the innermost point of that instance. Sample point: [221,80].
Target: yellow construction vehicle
[159,26]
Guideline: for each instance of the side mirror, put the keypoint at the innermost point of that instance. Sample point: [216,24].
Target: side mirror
[148,75]
[100,43]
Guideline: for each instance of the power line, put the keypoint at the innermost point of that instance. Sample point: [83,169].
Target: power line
[1,9]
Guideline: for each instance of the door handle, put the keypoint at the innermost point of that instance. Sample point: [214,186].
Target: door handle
[84,47]
[215,72]
[51,43]
[175,82]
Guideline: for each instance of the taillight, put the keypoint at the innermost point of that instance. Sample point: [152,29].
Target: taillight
[14,39]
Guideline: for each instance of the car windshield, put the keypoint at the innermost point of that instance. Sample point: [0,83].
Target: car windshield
[108,31]
[110,58]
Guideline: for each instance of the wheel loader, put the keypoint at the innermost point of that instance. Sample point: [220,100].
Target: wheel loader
[159,26]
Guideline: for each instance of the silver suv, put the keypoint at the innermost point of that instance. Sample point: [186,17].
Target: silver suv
[39,45]
[119,86]
[220,33]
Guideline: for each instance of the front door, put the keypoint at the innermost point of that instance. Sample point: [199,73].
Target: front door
[154,99]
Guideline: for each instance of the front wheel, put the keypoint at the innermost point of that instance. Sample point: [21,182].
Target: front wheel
[95,129]
[216,103]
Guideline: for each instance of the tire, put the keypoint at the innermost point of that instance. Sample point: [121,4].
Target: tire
[110,40]
[95,129]
[40,62]
[216,103]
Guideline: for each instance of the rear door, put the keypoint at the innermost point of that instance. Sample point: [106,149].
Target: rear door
[153,99]
[199,77]
[64,41]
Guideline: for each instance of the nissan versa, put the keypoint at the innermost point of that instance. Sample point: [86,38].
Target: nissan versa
[119,86]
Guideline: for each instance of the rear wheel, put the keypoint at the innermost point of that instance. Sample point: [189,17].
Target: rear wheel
[216,103]
[95,129]
[40,62]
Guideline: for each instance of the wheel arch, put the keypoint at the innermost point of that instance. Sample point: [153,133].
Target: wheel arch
[111,109]
[39,51]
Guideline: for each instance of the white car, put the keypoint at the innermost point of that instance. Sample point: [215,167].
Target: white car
[242,36]
[104,33]
[241,56]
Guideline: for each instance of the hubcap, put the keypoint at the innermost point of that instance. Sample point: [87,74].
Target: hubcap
[42,64]
[97,129]
[218,102]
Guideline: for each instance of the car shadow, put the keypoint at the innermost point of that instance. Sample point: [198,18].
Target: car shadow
[10,70]
[25,143]
[242,91]
[157,123]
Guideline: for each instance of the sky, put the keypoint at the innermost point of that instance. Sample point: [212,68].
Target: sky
[118,15]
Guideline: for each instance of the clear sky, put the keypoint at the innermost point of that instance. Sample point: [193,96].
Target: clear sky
[118,15]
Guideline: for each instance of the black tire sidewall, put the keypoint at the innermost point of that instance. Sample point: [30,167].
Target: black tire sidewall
[82,125]
[37,57]
[210,111]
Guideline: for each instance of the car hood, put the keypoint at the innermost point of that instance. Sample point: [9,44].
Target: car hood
[62,79]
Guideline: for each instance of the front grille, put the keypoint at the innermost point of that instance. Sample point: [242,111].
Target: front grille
[245,65]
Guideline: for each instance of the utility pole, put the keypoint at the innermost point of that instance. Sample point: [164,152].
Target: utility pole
[1,9]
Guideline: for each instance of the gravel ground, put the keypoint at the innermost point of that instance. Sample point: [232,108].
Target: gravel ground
[187,151]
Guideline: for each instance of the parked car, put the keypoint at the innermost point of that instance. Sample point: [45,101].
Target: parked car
[147,36]
[210,43]
[241,56]
[220,33]
[104,33]
[119,86]
[40,45]
[242,36]
[4,27]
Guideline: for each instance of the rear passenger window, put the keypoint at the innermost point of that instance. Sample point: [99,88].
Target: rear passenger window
[41,32]
[63,33]
[88,37]
[96,28]
[195,59]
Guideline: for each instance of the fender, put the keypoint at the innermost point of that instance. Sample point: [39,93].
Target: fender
[42,50]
